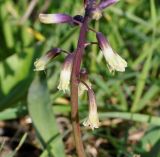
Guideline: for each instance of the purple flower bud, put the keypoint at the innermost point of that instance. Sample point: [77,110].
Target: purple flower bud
[114,61]
[106,3]
[53,52]
[55,18]
[78,19]
[42,62]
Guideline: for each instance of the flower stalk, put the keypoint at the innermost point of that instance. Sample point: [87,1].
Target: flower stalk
[75,79]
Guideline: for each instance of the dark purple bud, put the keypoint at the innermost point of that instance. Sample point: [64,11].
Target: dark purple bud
[77,19]
[55,18]
[106,3]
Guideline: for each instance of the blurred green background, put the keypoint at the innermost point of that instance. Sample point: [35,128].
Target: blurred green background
[128,103]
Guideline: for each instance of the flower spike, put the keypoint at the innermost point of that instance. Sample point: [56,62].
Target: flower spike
[41,63]
[55,18]
[115,62]
[65,74]
[106,3]
[93,120]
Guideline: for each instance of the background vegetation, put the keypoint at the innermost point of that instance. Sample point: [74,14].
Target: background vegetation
[128,103]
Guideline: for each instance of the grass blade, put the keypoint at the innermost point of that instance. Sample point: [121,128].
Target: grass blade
[131,116]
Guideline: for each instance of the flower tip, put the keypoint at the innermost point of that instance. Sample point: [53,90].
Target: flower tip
[117,64]
[39,65]
[92,124]
[44,18]
[63,88]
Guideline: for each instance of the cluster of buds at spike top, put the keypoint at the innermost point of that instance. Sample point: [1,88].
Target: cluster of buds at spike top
[97,11]
[114,61]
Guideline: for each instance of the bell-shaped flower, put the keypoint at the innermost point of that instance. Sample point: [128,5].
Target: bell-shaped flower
[114,61]
[93,120]
[84,82]
[65,74]
[106,3]
[41,63]
[55,18]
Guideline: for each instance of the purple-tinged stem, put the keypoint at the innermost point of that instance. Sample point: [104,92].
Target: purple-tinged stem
[75,79]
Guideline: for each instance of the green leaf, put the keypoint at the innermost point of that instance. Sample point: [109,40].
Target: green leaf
[15,77]
[40,110]
[13,113]
[7,28]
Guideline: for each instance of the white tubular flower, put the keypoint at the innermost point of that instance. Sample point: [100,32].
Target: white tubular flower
[55,18]
[41,63]
[93,120]
[65,74]
[115,62]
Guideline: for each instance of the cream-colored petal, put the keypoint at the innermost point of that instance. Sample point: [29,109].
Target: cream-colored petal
[40,64]
[92,121]
[115,62]
[65,74]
